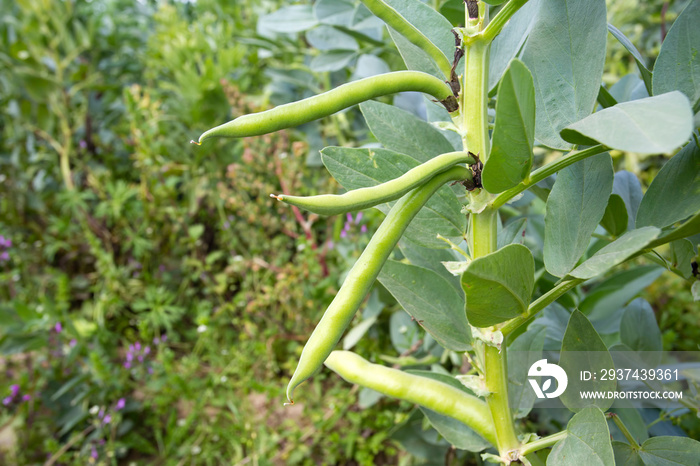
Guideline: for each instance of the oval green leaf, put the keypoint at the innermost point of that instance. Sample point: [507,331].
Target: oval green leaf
[678,65]
[582,349]
[287,20]
[498,286]
[335,12]
[431,301]
[587,442]
[565,53]
[638,328]
[611,294]
[659,451]
[626,43]
[510,159]
[615,219]
[575,207]
[400,131]
[675,192]
[634,126]
[510,41]
[522,354]
[414,57]
[616,252]
[626,185]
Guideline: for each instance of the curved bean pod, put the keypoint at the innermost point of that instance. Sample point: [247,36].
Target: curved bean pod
[394,19]
[361,277]
[440,397]
[319,106]
[358,199]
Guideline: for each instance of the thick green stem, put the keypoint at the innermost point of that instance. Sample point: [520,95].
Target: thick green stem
[496,373]
[475,99]
[483,225]
[483,233]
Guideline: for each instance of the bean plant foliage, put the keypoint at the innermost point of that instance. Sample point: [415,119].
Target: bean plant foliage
[532,237]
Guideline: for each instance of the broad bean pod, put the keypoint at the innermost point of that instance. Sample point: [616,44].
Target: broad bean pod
[358,199]
[432,394]
[394,19]
[344,96]
[361,277]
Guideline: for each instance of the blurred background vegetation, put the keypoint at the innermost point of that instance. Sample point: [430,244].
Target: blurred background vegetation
[153,299]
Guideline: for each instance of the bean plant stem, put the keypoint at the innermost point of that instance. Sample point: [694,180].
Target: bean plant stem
[545,172]
[653,257]
[542,443]
[501,19]
[475,99]
[539,304]
[496,374]
[483,226]
[623,428]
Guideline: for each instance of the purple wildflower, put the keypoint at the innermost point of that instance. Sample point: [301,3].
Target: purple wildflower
[139,353]
[363,229]
[7,400]
[343,234]
[93,453]
[163,338]
[14,388]
[348,217]
[58,327]
[358,218]
[26,397]
[120,404]
[73,342]
[107,419]
[4,256]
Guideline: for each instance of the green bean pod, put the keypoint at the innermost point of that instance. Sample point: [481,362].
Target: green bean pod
[319,106]
[361,277]
[363,198]
[395,20]
[432,394]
